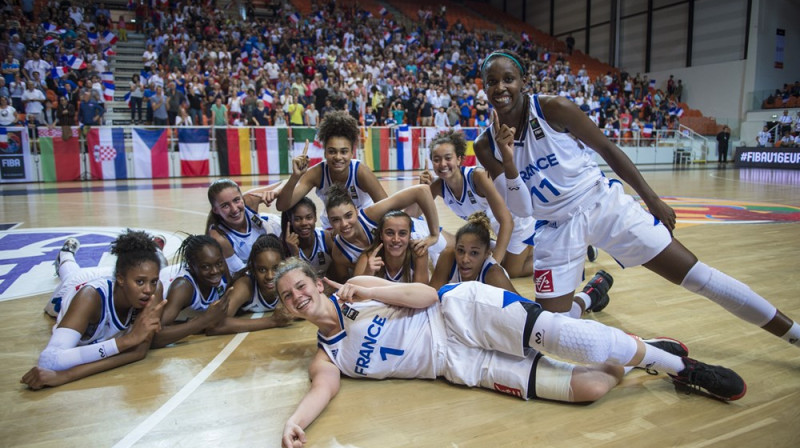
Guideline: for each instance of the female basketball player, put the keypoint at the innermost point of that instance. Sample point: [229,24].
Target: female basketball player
[234,221]
[467,190]
[536,152]
[304,239]
[339,134]
[198,288]
[254,291]
[470,333]
[471,259]
[390,255]
[353,229]
[94,331]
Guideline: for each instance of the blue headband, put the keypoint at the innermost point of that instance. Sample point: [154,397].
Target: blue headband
[500,53]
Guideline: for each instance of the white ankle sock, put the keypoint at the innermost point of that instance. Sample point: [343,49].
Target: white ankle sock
[655,358]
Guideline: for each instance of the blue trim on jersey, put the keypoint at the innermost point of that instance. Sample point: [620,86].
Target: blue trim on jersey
[363,215]
[538,107]
[445,289]
[511,298]
[339,336]
[482,275]
[354,173]
[111,309]
[453,269]
[540,223]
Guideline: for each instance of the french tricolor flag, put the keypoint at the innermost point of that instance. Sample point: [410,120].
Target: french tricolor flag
[150,153]
[268,99]
[194,148]
[294,17]
[107,77]
[3,138]
[109,52]
[109,37]
[525,37]
[647,130]
[387,37]
[128,99]
[76,63]
[410,40]
[107,153]
[49,40]
[383,11]
[108,91]
[93,38]
[58,72]
[405,150]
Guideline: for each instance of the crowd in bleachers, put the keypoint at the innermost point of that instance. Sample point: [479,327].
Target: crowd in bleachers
[205,65]
[788,96]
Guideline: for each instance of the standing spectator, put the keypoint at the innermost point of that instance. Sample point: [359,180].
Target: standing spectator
[141,16]
[670,86]
[426,112]
[48,116]
[10,68]
[786,122]
[679,90]
[453,114]
[570,43]
[159,104]
[176,101]
[33,100]
[17,88]
[312,116]
[723,138]
[762,140]
[295,111]
[137,95]
[369,117]
[122,29]
[36,64]
[89,112]
[413,106]
[440,121]
[260,116]
[219,113]
[183,118]
[150,58]
[8,115]
[66,115]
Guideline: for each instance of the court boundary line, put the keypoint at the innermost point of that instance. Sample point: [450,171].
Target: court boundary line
[143,428]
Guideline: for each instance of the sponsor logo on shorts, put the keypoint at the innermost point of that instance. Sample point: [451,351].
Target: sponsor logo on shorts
[543,280]
[508,390]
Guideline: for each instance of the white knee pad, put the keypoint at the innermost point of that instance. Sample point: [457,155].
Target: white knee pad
[582,341]
[729,293]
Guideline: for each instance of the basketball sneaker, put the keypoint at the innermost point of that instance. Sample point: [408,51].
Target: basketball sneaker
[669,345]
[592,253]
[597,290]
[717,381]
[71,245]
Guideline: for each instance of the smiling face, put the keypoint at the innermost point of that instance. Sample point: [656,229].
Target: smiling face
[338,153]
[504,83]
[445,161]
[138,284]
[470,255]
[300,294]
[208,267]
[229,206]
[303,221]
[395,235]
[265,264]
[343,219]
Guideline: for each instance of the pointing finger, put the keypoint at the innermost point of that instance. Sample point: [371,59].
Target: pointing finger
[333,284]
[305,149]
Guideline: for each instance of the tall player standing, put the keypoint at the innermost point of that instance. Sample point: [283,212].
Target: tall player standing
[536,153]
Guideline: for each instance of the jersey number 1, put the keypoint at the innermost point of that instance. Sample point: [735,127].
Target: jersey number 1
[544,184]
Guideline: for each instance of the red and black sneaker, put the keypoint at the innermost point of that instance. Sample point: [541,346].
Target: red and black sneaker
[597,290]
[717,381]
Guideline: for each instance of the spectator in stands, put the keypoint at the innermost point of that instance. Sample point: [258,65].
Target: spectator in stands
[10,68]
[260,116]
[570,43]
[176,101]
[17,89]
[183,118]
[150,58]
[723,140]
[295,111]
[48,116]
[33,100]
[122,29]
[786,141]
[8,115]
[159,105]
[311,116]
[90,111]
[763,138]
[440,120]
[786,122]
[137,94]
[219,113]
[66,114]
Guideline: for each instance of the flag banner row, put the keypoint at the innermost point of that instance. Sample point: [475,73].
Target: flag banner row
[148,153]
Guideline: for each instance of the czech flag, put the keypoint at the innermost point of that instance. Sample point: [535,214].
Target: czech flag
[150,153]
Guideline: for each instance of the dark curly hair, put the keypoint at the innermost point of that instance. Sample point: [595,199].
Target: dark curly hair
[132,248]
[338,124]
[454,137]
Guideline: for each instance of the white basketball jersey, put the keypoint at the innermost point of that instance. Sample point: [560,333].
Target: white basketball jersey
[109,325]
[320,258]
[455,275]
[555,166]
[257,225]
[350,250]
[199,302]
[361,199]
[382,341]
[257,303]
[466,202]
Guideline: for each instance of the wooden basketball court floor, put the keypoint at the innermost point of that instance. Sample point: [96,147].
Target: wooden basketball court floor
[238,390]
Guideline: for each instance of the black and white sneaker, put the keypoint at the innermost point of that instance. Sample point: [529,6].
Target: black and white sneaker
[717,381]
[597,290]
[669,345]
[71,245]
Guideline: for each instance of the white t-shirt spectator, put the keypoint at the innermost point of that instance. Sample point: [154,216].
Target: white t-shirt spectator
[35,102]
[38,65]
[99,65]
[150,58]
